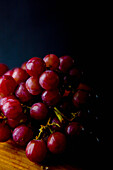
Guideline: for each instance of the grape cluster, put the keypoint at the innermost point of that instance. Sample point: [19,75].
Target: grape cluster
[45,106]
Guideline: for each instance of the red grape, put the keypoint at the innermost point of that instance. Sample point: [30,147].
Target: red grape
[36,150]
[33,86]
[56,142]
[66,62]
[52,97]
[7,85]
[5,99]
[80,97]
[22,134]
[35,66]
[84,87]
[9,72]
[49,80]
[23,66]
[22,93]
[5,132]
[12,108]
[39,111]
[20,75]
[52,61]
[73,128]
[3,68]
[13,123]
[74,74]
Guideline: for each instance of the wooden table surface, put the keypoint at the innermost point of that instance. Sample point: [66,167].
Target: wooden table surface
[14,158]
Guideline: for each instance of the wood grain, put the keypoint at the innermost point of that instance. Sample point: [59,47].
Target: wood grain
[14,158]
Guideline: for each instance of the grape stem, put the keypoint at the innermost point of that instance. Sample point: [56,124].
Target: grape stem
[61,116]
[25,106]
[47,126]
[2,117]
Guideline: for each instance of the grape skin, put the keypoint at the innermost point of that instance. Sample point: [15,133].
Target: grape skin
[33,86]
[73,128]
[52,97]
[22,134]
[36,150]
[22,93]
[5,132]
[52,61]
[7,85]
[12,108]
[20,75]
[49,80]
[35,66]
[5,99]
[56,142]
[3,69]
[66,62]
[39,111]
[13,123]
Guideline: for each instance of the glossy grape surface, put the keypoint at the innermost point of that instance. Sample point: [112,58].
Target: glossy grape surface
[80,98]
[52,97]
[12,108]
[20,75]
[73,128]
[36,150]
[5,99]
[49,80]
[22,93]
[39,111]
[66,62]
[22,134]
[52,61]
[35,66]
[7,85]
[33,86]
[56,142]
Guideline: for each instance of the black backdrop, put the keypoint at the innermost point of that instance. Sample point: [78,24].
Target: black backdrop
[35,28]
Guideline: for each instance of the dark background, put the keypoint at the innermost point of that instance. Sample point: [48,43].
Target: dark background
[31,28]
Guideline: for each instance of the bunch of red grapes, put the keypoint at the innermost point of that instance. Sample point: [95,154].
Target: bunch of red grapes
[45,106]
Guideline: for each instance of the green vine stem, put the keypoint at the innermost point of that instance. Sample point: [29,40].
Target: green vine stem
[47,127]
[61,116]
[2,117]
